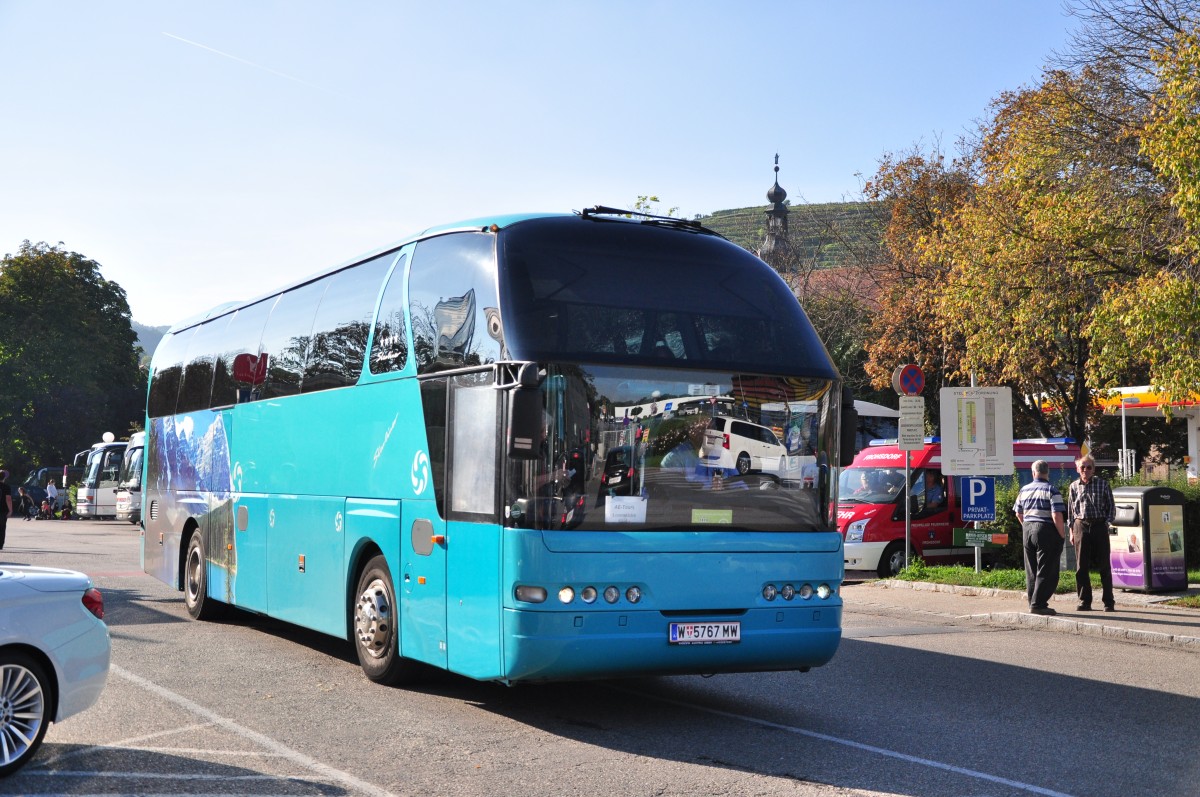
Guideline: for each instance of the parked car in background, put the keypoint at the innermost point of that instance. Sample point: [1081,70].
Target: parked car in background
[54,655]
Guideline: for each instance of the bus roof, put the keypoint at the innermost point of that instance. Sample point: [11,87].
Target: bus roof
[499,221]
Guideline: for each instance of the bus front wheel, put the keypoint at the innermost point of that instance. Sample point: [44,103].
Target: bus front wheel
[377,626]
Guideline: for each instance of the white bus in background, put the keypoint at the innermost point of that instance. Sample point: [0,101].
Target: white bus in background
[875,422]
[129,482]
[96,496]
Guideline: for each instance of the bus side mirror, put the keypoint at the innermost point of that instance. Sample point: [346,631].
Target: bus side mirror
[849,429]
[525,415]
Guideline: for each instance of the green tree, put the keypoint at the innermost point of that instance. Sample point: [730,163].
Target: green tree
[68,361]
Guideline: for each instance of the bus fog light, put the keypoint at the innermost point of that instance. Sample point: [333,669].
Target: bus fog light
[531,594]
[633,594]
[611,594]
[806,591]
[769,592]
[824,591]
[788,592]
[588,594]
[566,595]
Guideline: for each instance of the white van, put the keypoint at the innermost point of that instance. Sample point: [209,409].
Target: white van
[743,446]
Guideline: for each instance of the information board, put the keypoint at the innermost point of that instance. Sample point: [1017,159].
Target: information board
[977,431]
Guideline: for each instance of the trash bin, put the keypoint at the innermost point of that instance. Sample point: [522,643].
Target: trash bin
[1146,542]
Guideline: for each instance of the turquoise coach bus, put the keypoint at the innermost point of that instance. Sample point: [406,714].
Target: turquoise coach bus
[410,451]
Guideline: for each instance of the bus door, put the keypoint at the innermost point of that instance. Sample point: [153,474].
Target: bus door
[422,584]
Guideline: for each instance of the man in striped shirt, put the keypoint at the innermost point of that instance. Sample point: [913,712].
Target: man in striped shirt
[1090,510]
[1040,509]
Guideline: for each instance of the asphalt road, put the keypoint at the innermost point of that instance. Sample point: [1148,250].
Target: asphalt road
[912,705]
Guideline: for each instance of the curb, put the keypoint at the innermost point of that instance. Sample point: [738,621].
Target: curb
[1055,622]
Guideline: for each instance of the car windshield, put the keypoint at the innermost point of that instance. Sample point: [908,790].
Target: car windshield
[870,485]
[627,448]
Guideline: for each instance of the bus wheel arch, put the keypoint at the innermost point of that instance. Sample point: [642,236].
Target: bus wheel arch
[375,625]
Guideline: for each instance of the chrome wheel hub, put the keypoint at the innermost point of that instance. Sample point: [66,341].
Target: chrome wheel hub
[373,622]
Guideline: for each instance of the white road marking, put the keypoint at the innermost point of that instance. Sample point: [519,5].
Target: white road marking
[824,737]
[324,771]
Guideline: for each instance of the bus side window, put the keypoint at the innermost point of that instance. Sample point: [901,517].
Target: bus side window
[286,338]
[168,372]
[451,284]
[343,320]
[195,392]
[389,345]
[232,385]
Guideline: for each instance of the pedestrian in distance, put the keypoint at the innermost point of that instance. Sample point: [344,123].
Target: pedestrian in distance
[1090,509]
[1040,509]
[52,493]
[6,506]
[25,506]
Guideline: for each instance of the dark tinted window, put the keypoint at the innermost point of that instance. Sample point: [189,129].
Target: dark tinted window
[196,391]
[168,370]
[433,402]
[452,302]
[238,378]
[389,347]
[608,291]
[343,320]
[286,338]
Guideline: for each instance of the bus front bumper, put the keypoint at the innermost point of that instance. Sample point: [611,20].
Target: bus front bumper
[564,645]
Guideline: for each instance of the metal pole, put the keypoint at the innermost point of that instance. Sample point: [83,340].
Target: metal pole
[907,506]
[977,524]
[1124,444]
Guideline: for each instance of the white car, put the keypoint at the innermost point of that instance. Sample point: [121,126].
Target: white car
[743,446]
[54,654]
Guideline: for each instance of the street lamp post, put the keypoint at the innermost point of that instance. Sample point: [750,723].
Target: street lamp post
[1126,459]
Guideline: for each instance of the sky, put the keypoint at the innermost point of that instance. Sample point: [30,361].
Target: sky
[207,152]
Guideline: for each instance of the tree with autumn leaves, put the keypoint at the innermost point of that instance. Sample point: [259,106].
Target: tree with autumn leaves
[1057,255]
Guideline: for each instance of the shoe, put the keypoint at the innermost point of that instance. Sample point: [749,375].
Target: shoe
[1083,607]
[1110,608]
[1046,610]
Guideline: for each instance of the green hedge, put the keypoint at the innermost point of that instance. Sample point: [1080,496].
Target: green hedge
[1013,554]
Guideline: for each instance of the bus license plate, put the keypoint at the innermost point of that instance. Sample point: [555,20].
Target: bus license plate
[704,633]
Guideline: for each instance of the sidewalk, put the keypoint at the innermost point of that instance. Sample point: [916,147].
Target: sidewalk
[1140,617]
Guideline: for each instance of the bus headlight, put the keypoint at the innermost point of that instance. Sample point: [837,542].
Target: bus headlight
[824,591]
[588,594]
[633,594]
[806,591]
[788,592]
[611,594]
[855,531]
[566,595]
[769,592]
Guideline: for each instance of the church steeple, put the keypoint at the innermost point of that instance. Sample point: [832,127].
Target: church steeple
[777,217]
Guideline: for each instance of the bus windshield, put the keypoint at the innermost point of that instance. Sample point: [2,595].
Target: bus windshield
[634,448]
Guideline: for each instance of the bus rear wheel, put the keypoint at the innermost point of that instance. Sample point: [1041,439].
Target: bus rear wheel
[195,581]
[377,626]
